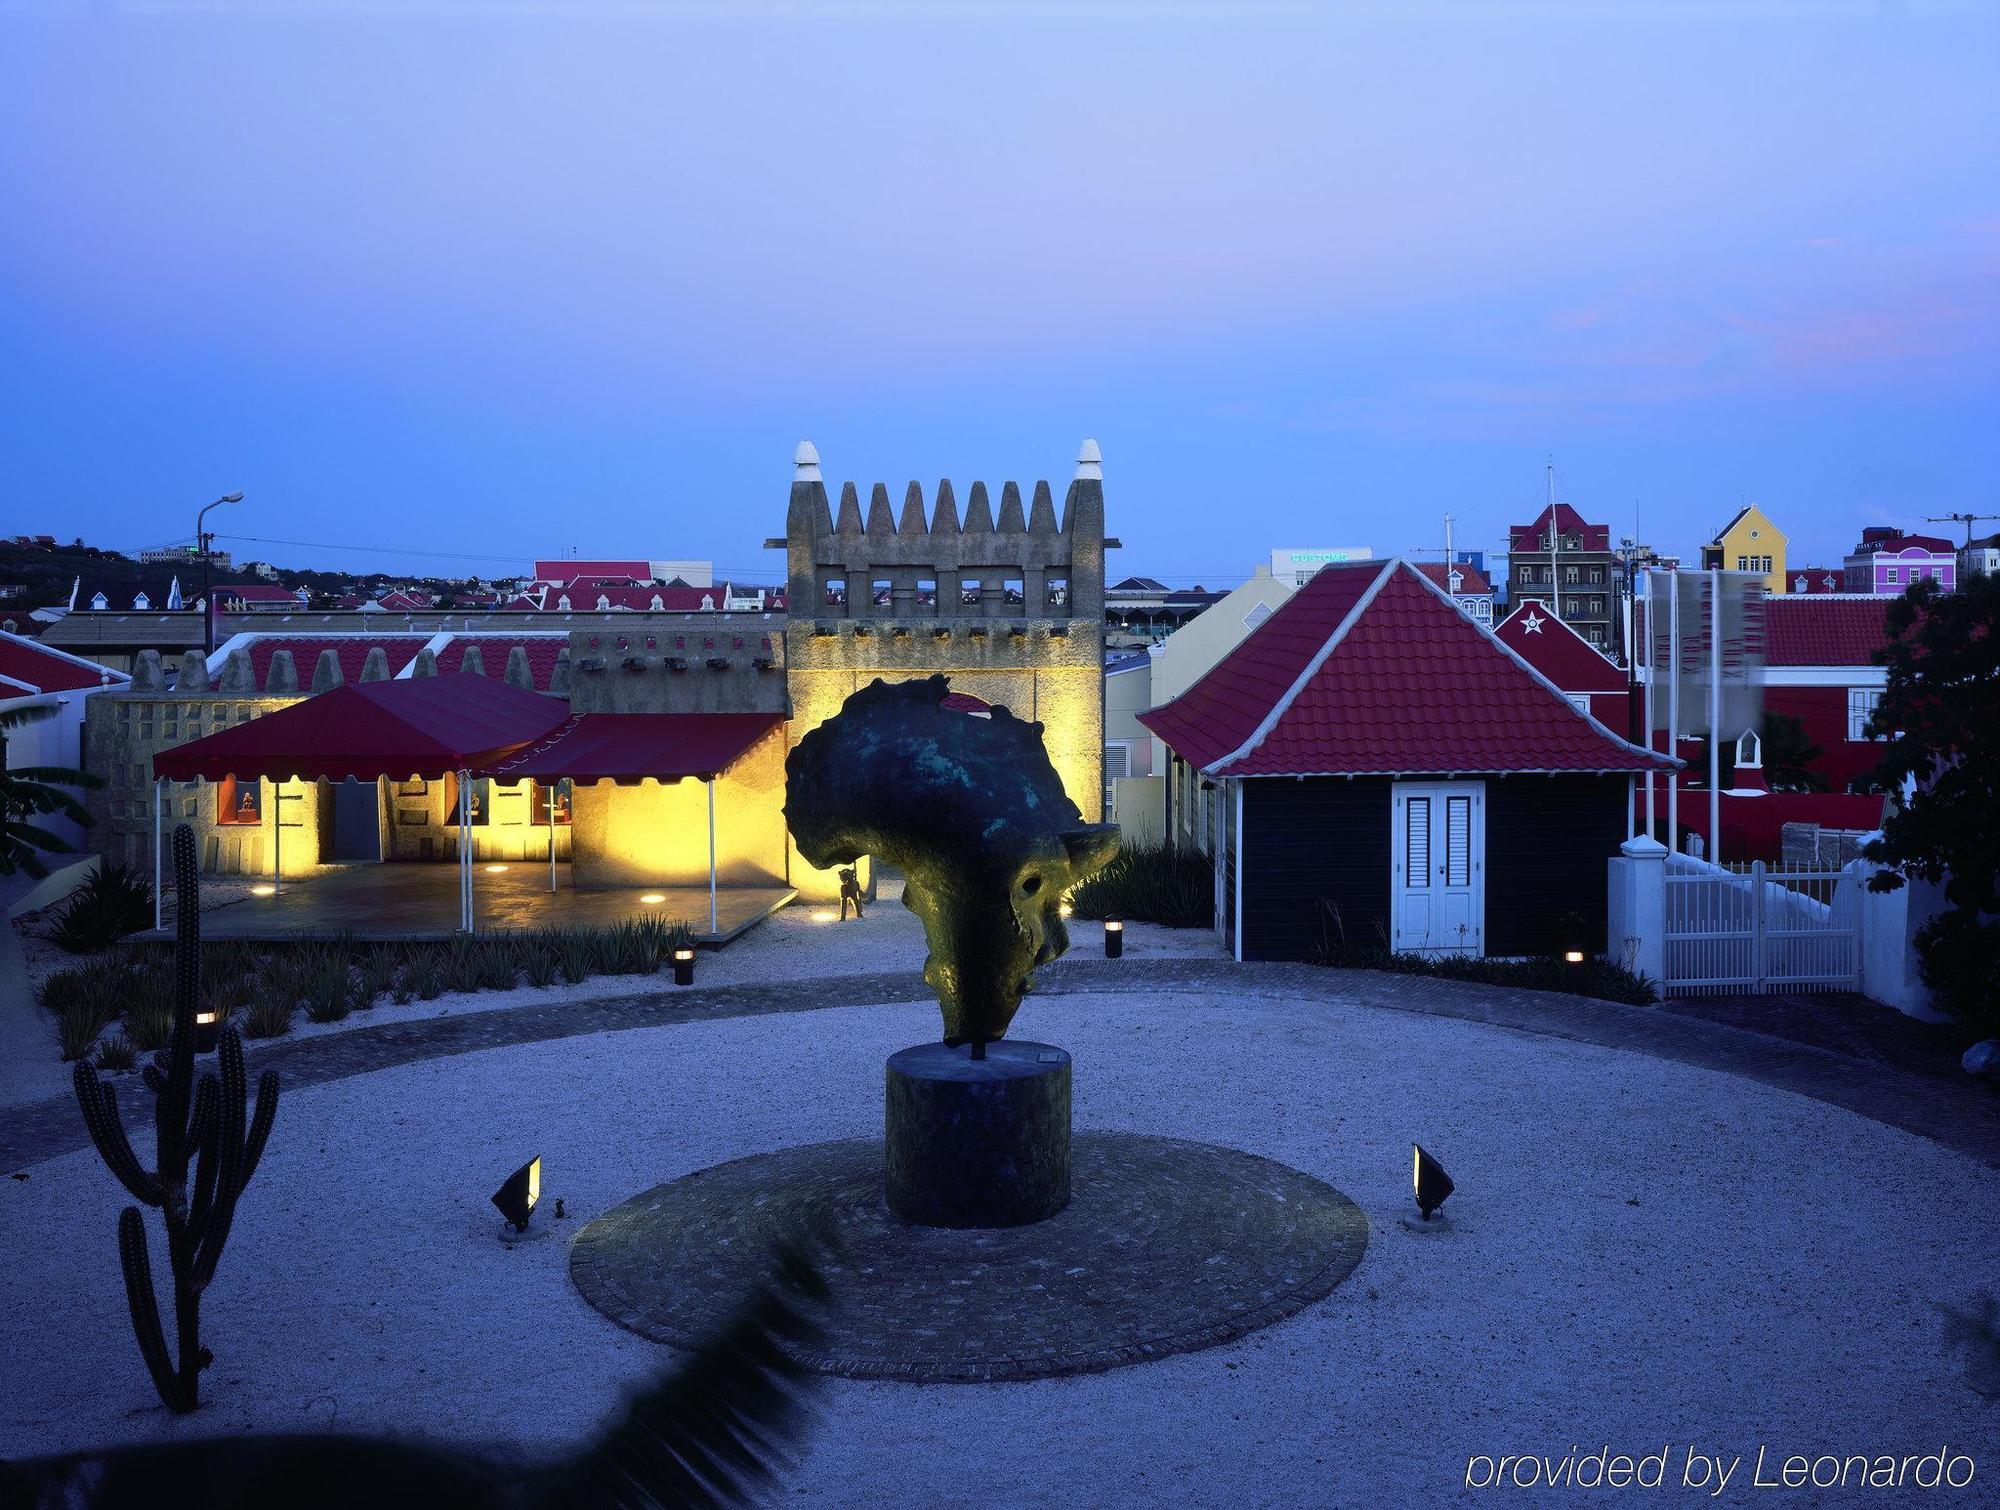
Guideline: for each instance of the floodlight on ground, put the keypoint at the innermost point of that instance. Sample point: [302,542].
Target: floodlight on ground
[1114,938]
[1432,1183]
[516,1199]
[263,889]
[653,898]
[207,1028]
[824,915]
[494,869]
[684,967]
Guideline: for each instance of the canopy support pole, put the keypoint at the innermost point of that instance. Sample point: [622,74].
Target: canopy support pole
[1715,718]
[1646,691]
[552,836]
[711,855]
[159,790]
[464,853]
[277,836]
[1674,717]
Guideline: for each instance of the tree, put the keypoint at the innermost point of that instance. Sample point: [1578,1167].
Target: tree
[1940,713]
[1788,755]
[30,793]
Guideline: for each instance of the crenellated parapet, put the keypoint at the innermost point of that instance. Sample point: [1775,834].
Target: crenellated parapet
[927,560]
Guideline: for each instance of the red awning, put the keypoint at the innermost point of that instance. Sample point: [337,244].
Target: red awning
[633,746]
[422,726]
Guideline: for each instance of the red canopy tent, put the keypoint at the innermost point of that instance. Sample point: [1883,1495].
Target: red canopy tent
[420,726]
[629,747]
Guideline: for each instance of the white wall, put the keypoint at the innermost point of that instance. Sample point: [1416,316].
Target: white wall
[53,741]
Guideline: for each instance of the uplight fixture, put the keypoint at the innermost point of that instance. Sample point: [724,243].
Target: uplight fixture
[1114,938]
[494,869]
[824,915]
[263,889]
[1064,910]
[653,898]
[1432,1183]
[516,1199]
[1572,956]
[684,967]
[207,1028]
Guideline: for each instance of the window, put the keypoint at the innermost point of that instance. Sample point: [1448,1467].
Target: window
[1861,703]
[1458,841]
[1571,576]
[1055,594]
[238,803]
[1117,763]
[926,601]
[1580,699]
[539,810]
[1597,574]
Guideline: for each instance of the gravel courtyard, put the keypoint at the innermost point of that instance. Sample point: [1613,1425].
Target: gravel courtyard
[1643,1254]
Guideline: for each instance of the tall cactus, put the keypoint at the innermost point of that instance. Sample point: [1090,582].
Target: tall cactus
[201,1121]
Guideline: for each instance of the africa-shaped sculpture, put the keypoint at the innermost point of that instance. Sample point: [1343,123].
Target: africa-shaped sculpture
[973,813]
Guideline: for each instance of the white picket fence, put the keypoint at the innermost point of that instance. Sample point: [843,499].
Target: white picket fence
[1761,928]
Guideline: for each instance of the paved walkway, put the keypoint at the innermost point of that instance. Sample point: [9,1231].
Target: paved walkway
[1964,1117]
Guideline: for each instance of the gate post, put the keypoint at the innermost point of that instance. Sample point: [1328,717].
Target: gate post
[1637,916]
[1760,967]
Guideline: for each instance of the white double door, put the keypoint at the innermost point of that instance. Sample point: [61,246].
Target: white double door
[1437,875]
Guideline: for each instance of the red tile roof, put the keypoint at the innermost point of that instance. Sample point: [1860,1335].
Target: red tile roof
[42,669]
[1895,545]
[494,649]
[353,650]
[1555,649]
[1370,669]
[254,592]
[1822,630]
[569,571]
[1526,537]
[1472,581]
[639,599]
[1815,579]
[633,746]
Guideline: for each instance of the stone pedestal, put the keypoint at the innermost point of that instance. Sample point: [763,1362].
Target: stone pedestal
[977,1142]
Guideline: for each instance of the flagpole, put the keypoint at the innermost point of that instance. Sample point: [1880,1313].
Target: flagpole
[1674,711]
[1715,717]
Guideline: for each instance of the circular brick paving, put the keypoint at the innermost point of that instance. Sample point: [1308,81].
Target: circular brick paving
[1166,1246]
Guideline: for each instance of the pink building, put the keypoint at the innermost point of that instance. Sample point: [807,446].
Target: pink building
[1888,561]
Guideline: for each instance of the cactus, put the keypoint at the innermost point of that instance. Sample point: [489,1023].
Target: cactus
[200,1122]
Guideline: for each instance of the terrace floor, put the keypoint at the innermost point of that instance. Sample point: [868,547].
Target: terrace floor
[409,901]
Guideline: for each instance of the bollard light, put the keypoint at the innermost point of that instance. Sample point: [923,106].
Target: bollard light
[1114,938]
[1572,956]
[516,1199]
[1432,1183]
[684,967]
[207,1028]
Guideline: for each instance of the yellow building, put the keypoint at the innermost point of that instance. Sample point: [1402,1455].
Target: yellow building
[1749,542]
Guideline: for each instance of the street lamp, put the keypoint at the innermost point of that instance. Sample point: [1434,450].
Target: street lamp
[207,593]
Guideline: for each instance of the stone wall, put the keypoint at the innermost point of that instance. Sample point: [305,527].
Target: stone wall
[656,833]
[1010,608]
[684,666]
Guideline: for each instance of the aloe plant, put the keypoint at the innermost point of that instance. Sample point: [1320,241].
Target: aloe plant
[206,1123]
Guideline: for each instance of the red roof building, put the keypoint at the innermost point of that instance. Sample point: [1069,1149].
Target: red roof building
[352,649]
[495,650]
[1371,770]
[28,668]
[1587,676]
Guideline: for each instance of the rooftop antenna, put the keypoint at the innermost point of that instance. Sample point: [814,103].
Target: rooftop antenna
[1968,520]
[1555,544]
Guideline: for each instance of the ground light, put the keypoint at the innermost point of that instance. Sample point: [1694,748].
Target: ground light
[1114,938]
[516,1199]
[1433,1184]
[1065,910]
[494,869]
[824,915]
[684,967]
[653,898]
[207,1028]
[264,889]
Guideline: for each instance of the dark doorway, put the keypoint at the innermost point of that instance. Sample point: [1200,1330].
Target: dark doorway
[357,831]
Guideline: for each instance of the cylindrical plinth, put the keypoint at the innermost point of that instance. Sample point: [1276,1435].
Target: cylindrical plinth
[977,1142]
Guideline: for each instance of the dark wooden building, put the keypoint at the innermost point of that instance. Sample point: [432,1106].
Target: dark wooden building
[1371,763]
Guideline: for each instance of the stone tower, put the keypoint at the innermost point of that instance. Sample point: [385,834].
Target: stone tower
[1010,607]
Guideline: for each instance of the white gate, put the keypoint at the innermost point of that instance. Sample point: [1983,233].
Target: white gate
[1762,928]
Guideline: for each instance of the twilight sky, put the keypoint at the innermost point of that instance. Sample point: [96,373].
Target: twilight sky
[489,281]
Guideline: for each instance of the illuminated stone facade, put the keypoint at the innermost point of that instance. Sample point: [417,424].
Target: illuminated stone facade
[1011,608]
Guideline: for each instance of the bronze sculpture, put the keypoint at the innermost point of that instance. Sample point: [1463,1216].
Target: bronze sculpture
[975,816]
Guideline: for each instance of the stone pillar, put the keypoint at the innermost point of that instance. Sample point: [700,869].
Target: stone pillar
[977,1142]
[1636,924]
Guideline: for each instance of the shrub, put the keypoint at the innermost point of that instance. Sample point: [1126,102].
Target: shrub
[1595,978]
[463,964]
[78,1024]
[538,965]
[422,977]
[270,1015]
[496,965]
[115,901]
[576,955]
[1150,884]
[117,1054]
[329,990]
[378,974]
[148,1026]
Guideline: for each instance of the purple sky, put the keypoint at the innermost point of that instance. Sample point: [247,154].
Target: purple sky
[494,281]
